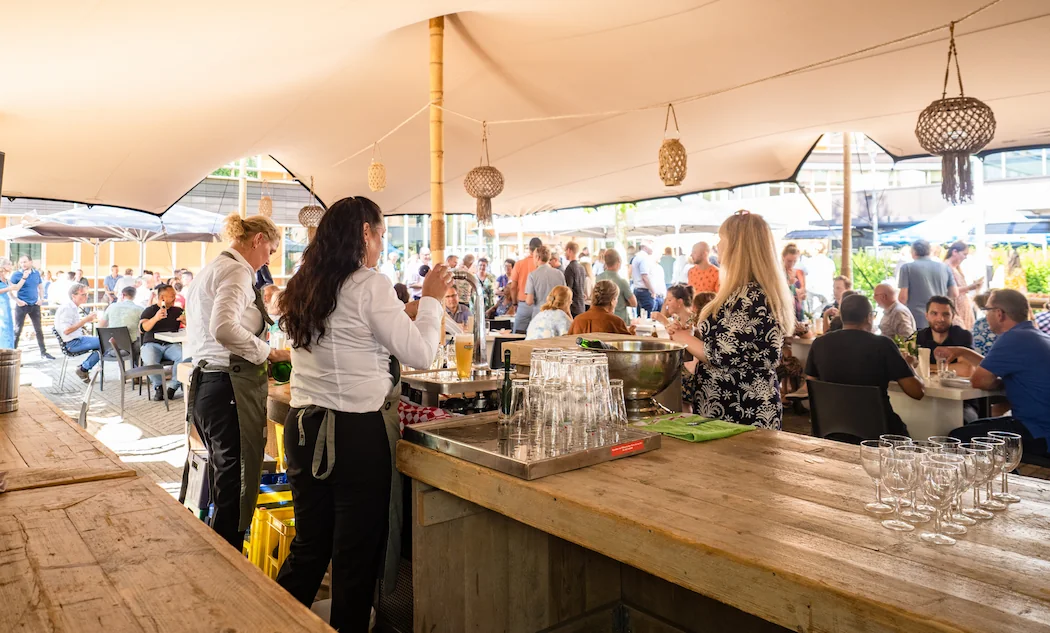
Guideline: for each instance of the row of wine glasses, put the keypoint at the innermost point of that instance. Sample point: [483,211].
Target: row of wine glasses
[928,479]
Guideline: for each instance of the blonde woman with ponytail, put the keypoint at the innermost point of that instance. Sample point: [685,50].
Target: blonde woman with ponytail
[741,331]
[553,319]
[226,328]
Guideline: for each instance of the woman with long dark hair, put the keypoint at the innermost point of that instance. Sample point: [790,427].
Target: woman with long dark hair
[344,322]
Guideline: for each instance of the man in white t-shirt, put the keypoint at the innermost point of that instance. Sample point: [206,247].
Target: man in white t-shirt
[70,327]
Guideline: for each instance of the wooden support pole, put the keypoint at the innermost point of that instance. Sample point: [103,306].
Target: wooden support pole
[437,139]
[242,188]
[847,207]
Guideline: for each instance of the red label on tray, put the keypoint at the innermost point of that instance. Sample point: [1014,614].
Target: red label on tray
[629,447]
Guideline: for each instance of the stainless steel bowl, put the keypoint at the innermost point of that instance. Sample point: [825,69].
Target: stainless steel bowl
[646,368]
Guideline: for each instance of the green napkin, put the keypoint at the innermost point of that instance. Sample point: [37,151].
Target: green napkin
[694,428]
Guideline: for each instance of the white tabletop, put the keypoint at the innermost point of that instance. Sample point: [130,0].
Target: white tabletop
[171,337]
[934,389]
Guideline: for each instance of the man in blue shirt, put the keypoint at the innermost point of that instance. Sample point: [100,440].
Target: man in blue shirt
[111,282]
[28,302]
[1018,363]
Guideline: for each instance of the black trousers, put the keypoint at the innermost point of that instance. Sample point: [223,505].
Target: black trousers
[1008,423]
[342,518]
[33,311]
[215,417]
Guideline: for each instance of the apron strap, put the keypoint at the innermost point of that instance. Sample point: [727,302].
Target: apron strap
[325,440]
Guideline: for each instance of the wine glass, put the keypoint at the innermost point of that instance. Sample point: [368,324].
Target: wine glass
[1013,458]
[984,471]
[939,481]
[918,511]
[947,523]
[944,440]
[969,477]
[899,471]
[870,458]
[998,447]
[896,440]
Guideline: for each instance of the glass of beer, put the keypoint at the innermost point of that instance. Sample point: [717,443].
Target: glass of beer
[464,355]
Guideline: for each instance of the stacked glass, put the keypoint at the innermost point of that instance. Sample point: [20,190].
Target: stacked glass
[930,476]
[567,404]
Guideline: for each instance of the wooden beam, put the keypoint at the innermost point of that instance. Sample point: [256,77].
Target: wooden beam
[437,139]
[847,207]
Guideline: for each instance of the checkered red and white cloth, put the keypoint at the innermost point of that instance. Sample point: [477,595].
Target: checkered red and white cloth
[416,414]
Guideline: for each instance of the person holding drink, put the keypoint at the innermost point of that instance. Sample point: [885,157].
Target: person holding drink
[348,330]
[164,316]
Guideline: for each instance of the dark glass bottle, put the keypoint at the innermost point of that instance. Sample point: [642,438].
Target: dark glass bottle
[505,390]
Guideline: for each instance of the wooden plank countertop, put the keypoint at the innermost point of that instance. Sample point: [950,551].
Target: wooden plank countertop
[773,523]
[520,351]
[122,556]
[41,446]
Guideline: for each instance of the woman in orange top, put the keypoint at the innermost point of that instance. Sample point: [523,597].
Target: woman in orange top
[600,317]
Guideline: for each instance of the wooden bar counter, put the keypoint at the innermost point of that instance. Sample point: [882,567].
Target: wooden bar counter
[751,533]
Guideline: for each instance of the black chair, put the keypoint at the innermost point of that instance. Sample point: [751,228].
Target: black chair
[846,413]
[66,355]
[141,372]
[123,338]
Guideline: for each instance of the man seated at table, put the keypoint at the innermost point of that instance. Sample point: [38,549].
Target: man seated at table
[855,356]
[941,333]
[456,310]
[897,319]
[164,316]
[1018,363]
[70,326]
[124,313]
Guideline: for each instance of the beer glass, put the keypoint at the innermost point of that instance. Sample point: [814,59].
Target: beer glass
[464,355]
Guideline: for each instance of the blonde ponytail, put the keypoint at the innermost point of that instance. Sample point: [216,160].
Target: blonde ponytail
[240,230]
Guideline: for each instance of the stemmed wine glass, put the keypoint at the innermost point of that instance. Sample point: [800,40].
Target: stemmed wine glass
[895,441]
[944,512]
[944,440]
[940,481]
[969,474]
[919,512]
[1013,458]
[870,457]
[998,447]
[899,471]
[984,471]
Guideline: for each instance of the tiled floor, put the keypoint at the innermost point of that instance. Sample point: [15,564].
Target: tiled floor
[148,437]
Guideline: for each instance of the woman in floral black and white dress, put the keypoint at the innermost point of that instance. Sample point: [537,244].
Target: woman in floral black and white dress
[741,331]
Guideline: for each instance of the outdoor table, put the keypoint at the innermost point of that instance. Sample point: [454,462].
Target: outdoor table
[800,348]
[41,447]
[729,535]
[940,410]
[501,323]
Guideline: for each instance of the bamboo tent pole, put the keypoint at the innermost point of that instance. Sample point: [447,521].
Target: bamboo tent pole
[437,140]
[847,207]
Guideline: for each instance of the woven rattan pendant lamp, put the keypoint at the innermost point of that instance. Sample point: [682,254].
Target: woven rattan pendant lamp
[310,215]
[672,154]
[484,182]
[955,128]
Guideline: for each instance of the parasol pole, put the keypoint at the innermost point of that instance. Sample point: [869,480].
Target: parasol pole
[242,189]
[94,247]
[847,207]
[437,139]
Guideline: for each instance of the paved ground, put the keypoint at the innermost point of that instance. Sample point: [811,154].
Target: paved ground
[150,438]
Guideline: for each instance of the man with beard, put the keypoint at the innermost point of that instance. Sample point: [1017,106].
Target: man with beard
[939,314]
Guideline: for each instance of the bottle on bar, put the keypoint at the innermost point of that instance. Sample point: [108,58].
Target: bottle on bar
[281,371]
[591,344]
[505,390]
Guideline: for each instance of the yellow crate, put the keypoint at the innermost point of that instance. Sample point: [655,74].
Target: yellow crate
[277,540]
[279,431]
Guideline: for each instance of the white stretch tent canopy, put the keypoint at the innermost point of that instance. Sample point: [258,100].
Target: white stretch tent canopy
[130,104]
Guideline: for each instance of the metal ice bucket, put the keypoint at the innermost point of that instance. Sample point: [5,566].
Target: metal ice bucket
[646,368]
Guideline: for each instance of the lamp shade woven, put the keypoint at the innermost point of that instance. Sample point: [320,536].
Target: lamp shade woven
[954,128]
[672,162]
[310,216]
[266,206]
[376,176]
[484,183]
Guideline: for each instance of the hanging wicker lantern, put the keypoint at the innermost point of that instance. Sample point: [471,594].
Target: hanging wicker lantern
[672,155]
[955,128]
[310,215]
[376,171]
[266,201]
[484,182]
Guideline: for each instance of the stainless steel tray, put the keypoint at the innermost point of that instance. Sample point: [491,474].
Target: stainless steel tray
[480,439]
[446,381]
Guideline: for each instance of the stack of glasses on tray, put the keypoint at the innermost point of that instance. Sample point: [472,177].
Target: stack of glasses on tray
[567,404]
[928,479]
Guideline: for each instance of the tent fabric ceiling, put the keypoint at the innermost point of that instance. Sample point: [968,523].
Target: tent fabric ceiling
[130,104]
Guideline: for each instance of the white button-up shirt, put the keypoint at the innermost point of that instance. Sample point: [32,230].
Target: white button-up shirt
[221,317]
[348,369]
[67,316]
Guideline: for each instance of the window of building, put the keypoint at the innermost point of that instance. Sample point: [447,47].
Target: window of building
[16,250]
[1024,163]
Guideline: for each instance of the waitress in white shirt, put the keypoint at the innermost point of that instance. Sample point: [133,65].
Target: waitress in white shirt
[344,322]
[226,324]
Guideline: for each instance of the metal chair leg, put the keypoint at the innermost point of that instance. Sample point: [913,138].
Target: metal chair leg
[62,376]
[164,390]
[123,389]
